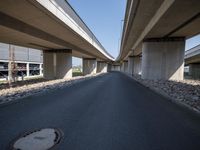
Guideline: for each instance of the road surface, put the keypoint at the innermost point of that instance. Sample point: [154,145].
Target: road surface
[110,112]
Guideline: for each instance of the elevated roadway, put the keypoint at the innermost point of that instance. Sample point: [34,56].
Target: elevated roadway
[54,27]
[192,59]
[156,31]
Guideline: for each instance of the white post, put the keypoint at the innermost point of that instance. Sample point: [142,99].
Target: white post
[27,70]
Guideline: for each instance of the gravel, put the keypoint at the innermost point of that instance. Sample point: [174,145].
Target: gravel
[28,88]
[186,92]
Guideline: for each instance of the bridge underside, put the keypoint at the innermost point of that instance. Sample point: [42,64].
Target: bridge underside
[161,19]
[152,32]
[51,26]
[31,25]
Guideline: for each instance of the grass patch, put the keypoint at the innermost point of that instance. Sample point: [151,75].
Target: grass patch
[76,74]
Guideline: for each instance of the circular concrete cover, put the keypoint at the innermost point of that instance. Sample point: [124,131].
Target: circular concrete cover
[42,139]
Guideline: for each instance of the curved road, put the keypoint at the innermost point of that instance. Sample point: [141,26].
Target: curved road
[110,112]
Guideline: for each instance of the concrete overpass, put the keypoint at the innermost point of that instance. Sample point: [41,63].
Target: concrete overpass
[192,58]
[54,27]
[154,36]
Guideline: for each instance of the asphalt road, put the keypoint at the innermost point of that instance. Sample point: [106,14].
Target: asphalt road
[110,112]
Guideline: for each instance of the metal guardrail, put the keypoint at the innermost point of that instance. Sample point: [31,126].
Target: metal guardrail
[77,21]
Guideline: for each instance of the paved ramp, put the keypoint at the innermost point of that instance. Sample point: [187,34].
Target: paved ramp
[110,112]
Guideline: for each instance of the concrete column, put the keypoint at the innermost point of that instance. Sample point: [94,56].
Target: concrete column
[113,68]
[130,65]
[57,64]
[194,70]
[27,70]
[109,67]
[122,67]
[125,66]
[116,68]
[102,66]
[137,65]
[163,58]
[89,66]
[134,65]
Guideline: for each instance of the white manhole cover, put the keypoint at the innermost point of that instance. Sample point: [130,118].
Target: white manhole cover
[42,139]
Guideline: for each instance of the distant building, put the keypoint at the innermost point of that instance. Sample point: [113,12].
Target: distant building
[29,62]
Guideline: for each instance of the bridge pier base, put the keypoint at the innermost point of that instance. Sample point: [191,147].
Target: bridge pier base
[124,66]
[137,65]
[116,68]
[57,64]
[194,70]
[102,67]
[130,65]
[163,59]
[134,65]
[109,67]
[89,66]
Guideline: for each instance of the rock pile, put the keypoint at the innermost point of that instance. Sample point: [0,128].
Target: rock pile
[8,94]
[184,91]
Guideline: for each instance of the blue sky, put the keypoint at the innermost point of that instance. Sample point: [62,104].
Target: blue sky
[192,42]
[104,18]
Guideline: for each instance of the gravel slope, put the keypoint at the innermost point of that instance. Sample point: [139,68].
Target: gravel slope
[186,92]
[28,88]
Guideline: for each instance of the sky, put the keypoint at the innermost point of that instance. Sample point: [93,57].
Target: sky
[192,42]
[104,18]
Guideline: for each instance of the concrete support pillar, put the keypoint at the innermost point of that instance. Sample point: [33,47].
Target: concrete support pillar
[109,67]
[125,66]
[137,65]
[130,65]
[134,65]
[57,64]
[102,66]
[27,70]
[194,70]
[163,58]
[116,68]
[89,66]
[122,67]
[112,68]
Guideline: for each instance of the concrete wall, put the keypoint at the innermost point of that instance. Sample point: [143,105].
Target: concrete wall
[28,61]
[163,59]
[21,53]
